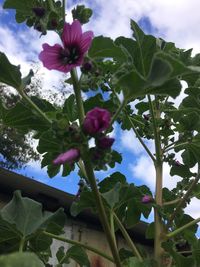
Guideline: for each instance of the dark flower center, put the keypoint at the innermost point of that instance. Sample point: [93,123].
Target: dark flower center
[69,55]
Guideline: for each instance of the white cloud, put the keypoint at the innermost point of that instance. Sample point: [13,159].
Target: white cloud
[144,170]
[131,143]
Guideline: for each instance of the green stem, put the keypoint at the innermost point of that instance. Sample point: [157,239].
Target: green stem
[127,238]
[176,146]
[123,104]
[184,199]
[179,230]
[90,174]
[172,202]
[112,226]
[101,210]
[38,110]
[77,243]
[77,91]
[155,114]
[21,245]
[63,3]
[140,139]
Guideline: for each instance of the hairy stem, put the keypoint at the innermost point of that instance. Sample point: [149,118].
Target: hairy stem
[122,105]
[155,114]
[140,139]
[91,177]
[64,4]
[112,226]
[184,199]
[182,228]
[168,203]
[35,107]
[127,238]
[77,243]
[21,245]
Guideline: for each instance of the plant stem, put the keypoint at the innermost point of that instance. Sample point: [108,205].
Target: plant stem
[38,110]
[122,105]
[63,3]
[77,92]
[21,245]
[172,202]
[77,243]
[101,210]
[140,139]
[173,147]
[155,114]
[184,199]
[179,230]
[127,238]
[90,174]
[112,226]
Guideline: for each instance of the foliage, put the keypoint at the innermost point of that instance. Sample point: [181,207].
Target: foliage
[148,72]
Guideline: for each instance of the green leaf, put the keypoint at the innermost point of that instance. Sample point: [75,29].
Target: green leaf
[182,171]
[27,80]
[23,218]
[49,143]
[196,191]
[150,231]
[112,196]
[30,217]
[53,170]
[86,201]
[79,255]
[20,260]
[22,118]
[135,262]
[82,13]
[145,49]
[62,256]
[179,259]
[9,74]
[159,73]
[105,47]
[109,182]
[70,108]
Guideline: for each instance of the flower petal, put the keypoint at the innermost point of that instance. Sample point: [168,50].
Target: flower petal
[50,58]
[86,41]
[71,33]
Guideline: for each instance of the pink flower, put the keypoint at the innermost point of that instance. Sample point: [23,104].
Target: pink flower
[105,142]
[96,121]
[147,199]
[66,57]
[69,156]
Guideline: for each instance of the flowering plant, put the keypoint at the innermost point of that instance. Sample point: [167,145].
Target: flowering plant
[148,72]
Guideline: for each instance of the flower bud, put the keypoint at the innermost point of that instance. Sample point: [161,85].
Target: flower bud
[105,142]
[69,157]
[96,121]
[147,199]
[39,11]
[177,163]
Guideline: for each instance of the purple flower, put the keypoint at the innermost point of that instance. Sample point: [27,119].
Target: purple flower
[70,55]
[96,121]
[105,142]
[69,156]
[147,199]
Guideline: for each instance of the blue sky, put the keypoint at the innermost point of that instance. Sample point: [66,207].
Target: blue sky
[175,21]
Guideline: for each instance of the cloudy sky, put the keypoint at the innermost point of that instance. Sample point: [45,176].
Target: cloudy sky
[177,21]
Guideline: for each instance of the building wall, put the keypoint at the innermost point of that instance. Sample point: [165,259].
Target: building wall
[77,230]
